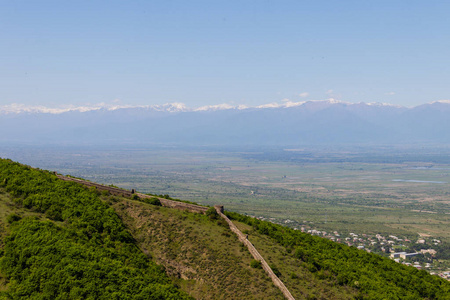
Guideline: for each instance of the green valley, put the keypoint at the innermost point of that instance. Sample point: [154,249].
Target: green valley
[63,240]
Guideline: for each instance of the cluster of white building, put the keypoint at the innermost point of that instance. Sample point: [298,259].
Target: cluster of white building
[377,242]
[403,255]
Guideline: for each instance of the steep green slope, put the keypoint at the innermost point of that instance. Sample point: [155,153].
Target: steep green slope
[202,251]
[373,276]
[216,266]
[214,263]
[77,248]
[60,240]
[297,277]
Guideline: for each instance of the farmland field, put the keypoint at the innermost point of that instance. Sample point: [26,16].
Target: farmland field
[401,192]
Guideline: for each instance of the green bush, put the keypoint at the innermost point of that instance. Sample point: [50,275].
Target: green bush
[90,255]
[275,270]
[152,201]
[13,218]
[212,213]
[377,277]
[256,264]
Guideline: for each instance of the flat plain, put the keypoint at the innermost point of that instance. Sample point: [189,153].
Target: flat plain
[382,191]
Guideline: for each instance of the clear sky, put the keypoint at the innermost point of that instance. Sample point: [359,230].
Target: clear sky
[57,53]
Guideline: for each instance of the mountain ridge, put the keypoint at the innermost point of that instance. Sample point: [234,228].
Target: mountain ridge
[302,123]
[16,108]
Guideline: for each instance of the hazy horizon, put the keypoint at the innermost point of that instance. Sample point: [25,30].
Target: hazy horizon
[239,53]
[180,106]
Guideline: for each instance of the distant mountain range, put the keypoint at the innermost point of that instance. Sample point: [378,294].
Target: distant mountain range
[289,123]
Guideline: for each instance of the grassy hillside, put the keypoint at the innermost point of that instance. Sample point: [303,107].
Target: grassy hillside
[61,240]
[373,276]
[214,264]
[301,282]
[203,252]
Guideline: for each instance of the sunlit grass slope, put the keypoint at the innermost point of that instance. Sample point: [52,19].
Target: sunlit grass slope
[373,276]
[202,251]
[60,240]
[74,247]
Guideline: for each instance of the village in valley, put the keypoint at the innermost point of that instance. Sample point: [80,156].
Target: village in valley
[423,252]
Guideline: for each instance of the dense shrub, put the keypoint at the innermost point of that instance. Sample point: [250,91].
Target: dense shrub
[91,255]
[375,276]
[212,213]
[13,218]
[152,201]
[275,270]
[255,264]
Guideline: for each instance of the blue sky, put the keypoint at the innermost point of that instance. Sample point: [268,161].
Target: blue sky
[57,53]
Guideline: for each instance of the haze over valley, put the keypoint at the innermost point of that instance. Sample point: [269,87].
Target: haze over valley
[327,122]
[225,150]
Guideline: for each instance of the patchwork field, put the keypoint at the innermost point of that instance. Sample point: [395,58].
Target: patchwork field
[403,193]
